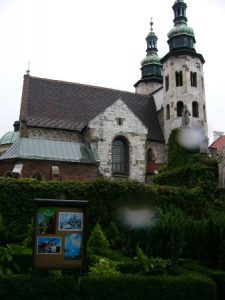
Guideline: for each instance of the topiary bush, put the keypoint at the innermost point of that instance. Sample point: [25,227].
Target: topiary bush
[97,241]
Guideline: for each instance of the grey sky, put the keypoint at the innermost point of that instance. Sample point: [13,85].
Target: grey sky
[101,42]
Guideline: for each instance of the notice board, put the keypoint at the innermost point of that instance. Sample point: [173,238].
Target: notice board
[60,234]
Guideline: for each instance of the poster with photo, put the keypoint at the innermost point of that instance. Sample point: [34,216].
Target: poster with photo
[48,245]
[73,246]
[70,221]
[46,219]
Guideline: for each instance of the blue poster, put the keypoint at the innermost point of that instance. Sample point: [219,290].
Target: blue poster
[73,246]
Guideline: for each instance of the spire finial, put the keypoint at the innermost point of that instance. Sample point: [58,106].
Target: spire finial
[28,69]
[151,24]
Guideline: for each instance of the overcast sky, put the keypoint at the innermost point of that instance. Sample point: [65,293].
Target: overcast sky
[101,42]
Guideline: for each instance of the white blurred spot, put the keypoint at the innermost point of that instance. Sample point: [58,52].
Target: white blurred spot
[191,138]
[137,218]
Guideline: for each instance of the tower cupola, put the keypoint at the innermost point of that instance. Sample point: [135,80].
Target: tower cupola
[179,9]
[181,38]
[151,67]
[151,40]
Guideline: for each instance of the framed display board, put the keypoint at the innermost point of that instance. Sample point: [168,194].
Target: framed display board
[60,234]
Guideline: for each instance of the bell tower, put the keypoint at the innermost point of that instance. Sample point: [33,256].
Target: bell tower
[151,67]
[183,77]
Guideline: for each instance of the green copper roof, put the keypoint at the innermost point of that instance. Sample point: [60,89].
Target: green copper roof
[178,1]
[152,34]
[41,149]
[151,59]
[182,29]
[9,137]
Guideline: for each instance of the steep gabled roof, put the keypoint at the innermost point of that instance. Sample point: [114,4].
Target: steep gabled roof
[65,105]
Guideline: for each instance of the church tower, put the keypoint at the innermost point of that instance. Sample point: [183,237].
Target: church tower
[183,76]
[151,69]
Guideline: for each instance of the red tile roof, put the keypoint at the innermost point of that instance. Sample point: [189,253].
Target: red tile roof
[218,144]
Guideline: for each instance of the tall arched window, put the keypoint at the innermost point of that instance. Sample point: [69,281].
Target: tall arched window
[195,112]
[168,112]
[193,79]
[120,156]
[180,107]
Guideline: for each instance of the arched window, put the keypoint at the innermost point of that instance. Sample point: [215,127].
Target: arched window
[179,78]
[120,156]
[195,112]
[180,107]
[150,157]
[168,112]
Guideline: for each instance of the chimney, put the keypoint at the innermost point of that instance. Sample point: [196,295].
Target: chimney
[16,126]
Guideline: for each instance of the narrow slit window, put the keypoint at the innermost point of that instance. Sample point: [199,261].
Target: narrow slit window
[167,82]
[195,110]
[168,112]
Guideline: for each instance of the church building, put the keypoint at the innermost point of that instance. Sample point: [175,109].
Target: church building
[72,131]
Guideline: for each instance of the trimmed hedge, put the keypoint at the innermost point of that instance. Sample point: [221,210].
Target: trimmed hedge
[185,287]
[39,288]
[105,196]
[216,275]
[17,206]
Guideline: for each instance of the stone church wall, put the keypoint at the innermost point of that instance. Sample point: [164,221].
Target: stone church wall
[119,120]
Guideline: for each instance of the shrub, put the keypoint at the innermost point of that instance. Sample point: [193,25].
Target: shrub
[8,264]
[97,241]
[152,265]
[104,268]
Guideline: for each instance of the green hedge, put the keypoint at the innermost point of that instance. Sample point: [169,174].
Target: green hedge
[17,206]
[216,275]
[178,235]
[186,287]
[39,288]
[191,175]
[105,196]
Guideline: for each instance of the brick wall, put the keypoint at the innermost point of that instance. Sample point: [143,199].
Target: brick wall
[68,171]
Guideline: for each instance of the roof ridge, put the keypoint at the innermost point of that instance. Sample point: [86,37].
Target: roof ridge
[84,84]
